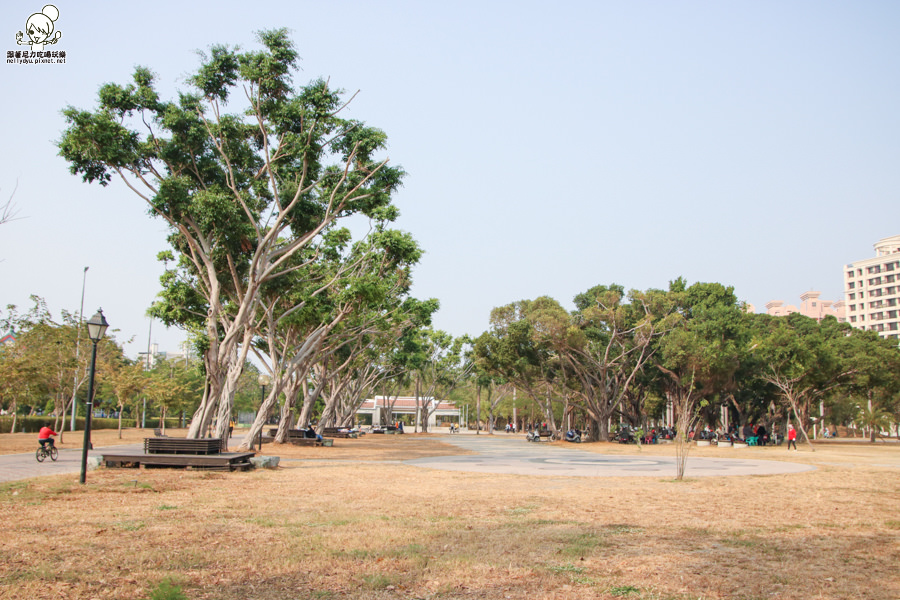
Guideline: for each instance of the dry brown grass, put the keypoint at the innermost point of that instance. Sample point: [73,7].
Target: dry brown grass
[351,521]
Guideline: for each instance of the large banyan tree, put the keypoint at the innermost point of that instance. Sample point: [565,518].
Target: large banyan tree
[248,195]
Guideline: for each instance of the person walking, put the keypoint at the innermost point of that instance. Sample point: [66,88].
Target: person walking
[792,436]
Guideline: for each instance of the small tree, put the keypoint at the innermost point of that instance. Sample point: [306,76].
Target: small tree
[126,381]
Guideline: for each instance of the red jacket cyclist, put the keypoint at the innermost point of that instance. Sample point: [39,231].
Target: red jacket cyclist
[44,436]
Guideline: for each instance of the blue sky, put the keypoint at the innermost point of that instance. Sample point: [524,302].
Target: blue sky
[549,147]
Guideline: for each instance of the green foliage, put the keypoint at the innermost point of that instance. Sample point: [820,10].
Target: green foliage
[167,589]
[623,590]
[34,424]
[706,352]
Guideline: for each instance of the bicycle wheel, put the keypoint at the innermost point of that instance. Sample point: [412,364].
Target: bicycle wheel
[54,453]
[39,455]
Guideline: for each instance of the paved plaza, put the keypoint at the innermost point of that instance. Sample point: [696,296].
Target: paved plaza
[514,456]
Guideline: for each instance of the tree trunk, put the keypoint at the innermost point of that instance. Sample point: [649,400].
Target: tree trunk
[477,409]
[872,431]
[422,424]
[226,399]
[287,410]
[203,415]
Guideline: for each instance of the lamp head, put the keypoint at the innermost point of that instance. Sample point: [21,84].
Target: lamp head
[97,326]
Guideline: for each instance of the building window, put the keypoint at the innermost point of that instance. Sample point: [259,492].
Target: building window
[851,285]
[853,319]
[852,296]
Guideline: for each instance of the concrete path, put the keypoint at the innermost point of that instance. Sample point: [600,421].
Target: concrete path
[24,466]
[513,455]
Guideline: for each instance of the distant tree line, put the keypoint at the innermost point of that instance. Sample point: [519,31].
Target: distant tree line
[626,357]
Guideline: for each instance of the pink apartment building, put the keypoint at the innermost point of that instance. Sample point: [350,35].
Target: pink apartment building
[810,306]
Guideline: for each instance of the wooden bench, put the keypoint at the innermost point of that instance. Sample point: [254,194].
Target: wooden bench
[232,461]
[305,441]
[335,432]
[167,445]
[297,437]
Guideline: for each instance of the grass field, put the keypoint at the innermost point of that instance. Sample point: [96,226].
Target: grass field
[352,521]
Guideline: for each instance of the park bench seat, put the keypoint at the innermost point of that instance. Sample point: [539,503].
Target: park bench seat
[335,432]
[167,445]
[304,441]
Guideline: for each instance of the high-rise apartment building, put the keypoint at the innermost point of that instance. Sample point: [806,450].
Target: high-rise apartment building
[872,290]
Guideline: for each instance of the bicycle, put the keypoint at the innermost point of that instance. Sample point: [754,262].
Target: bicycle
[44,451]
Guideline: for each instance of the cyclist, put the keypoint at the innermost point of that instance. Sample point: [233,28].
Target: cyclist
[44,437]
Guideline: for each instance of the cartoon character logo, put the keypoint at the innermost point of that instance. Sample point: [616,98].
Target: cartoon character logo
[40,29]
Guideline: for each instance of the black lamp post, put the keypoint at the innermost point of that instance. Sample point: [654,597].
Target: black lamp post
[96,328]
[264,380]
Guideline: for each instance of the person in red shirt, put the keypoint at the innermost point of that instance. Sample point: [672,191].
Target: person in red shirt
[792,436]
[44,436]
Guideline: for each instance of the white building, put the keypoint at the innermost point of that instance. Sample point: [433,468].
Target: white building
[157,355]
[374,411]
[872,289]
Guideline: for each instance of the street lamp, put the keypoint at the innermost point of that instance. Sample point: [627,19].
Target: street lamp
[96,328]
[264,380]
